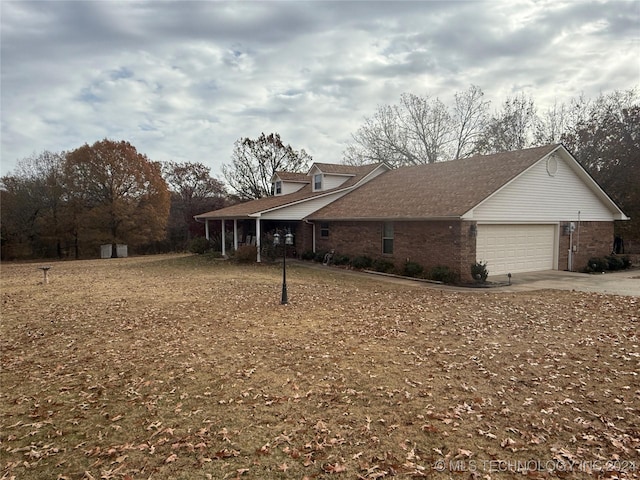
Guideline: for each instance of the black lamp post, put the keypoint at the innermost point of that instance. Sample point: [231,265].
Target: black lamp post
[288,240]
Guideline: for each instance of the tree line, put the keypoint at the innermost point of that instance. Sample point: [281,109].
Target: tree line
[67,204]
[603,134]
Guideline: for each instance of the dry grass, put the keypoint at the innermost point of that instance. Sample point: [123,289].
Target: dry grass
[182,367]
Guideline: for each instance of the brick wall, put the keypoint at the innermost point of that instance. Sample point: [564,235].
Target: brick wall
[437,243]
[304,238]
[592,239]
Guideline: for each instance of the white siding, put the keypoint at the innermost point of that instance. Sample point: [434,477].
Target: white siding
[290,187]
[305,208]
[332,181]
[536,196]
[300,210]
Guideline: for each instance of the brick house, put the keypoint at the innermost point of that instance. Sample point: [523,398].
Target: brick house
[527,210]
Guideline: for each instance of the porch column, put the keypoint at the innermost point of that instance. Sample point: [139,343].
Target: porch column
[223,240]
[206,228]
[235,234]
[258,240]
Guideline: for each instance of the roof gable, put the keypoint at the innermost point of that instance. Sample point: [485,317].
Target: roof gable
[438,190]
[555,187]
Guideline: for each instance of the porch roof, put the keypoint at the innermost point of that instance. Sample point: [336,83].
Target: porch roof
[254,208]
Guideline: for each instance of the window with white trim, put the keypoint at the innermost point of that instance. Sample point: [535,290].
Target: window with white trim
[324,230]
[278,188]
[317,182]
[387,238]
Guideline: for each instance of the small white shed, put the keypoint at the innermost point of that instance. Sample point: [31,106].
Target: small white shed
[121,250]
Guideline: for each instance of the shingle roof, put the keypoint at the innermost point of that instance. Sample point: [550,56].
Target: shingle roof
[438,190]
[252,207]
[294,177]
[335,168]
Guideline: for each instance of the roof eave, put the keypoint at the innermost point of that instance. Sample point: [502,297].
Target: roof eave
[385,219]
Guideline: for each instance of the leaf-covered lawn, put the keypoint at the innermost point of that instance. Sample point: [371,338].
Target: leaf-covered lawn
[182,367]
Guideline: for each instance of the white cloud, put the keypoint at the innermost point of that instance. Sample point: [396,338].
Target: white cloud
[184,80]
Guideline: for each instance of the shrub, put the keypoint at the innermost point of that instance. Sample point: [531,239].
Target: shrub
[308,255]
[270,252]
[245,254]
[412,269]
[626,262]
[319,256]
[384,266]
[479,271]
[597,264]
[200,245]
[443,274]
[362,262]
[614,262]
[341,259]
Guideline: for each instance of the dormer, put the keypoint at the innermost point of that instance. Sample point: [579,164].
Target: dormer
[326,176]
[283,183]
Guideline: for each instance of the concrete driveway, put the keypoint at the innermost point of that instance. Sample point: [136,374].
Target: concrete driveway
[626,282]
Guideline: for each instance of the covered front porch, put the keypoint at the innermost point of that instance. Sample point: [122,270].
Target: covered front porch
[259,233]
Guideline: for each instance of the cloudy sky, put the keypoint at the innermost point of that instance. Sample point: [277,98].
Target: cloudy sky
[184,80]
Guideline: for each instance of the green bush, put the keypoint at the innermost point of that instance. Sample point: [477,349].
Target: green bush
[443,274]
[319,256]
[614,262]
[308,255]
[479,271]
[382,265]
[362,262]
[341,259]
[200,245]
[597,264]
[245,254]
[412,269]
[608,263]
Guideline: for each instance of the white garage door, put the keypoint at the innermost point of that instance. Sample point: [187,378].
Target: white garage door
[515,248]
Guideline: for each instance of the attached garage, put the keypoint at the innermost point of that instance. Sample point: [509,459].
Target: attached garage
[516,248]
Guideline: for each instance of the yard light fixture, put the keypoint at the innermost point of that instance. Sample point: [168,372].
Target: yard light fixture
[288,240]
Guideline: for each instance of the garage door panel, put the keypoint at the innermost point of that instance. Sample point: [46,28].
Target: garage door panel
[515,248]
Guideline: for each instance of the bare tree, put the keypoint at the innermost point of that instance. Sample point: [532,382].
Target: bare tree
[419,130]
[193,191]
[470,116]
[255,161]
[33,212]
[511,128]
[552,124]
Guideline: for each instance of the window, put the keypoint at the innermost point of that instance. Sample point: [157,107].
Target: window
[317,181]
[324,230]
[387,238]
[278,188]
